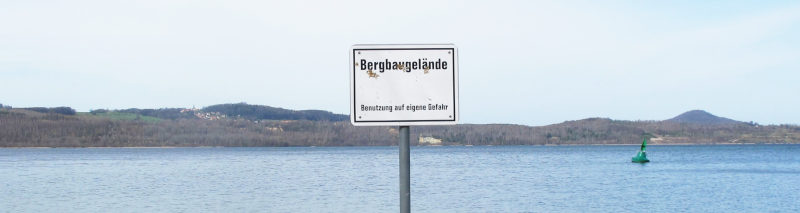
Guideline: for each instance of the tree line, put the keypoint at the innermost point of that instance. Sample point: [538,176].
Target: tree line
[260,112]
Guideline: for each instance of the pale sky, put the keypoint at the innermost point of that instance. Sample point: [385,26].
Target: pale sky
[521,62]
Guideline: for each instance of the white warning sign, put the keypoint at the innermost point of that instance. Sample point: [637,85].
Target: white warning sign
[403,85]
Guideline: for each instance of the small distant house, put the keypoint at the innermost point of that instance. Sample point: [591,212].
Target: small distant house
[428,140]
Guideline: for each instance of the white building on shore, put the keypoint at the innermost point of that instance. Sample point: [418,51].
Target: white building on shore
[428,140]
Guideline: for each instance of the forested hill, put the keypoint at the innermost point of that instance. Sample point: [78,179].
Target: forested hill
[253,125]
[259,112]
[232,111]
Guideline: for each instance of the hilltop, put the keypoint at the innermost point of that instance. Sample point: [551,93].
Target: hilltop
[243,124]
[238,110]
[701,117]
[259,112]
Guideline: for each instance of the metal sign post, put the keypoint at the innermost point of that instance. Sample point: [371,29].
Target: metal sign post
[404,85]
[405,170]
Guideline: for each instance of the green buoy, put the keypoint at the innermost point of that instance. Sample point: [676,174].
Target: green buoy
[641,157]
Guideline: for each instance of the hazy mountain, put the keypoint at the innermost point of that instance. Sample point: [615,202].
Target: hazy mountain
[701,117]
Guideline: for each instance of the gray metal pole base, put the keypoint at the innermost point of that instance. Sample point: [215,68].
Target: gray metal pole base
[405,170]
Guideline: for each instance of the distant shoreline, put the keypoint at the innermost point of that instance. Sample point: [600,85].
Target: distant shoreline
[244,125]
[169,147]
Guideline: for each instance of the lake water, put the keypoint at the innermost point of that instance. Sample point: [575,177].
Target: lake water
[726,178]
